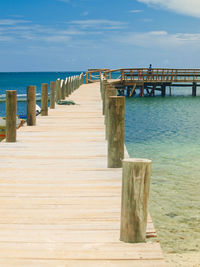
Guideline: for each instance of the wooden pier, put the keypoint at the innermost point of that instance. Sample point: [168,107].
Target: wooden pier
[60,204]
[148,81]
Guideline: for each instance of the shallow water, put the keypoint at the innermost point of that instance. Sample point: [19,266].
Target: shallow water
[167,130]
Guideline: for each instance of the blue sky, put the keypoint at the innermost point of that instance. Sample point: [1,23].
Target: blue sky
[63,35]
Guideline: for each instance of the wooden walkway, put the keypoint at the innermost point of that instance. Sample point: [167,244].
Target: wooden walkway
[59,204]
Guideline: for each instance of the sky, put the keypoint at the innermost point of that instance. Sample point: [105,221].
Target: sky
[74,35]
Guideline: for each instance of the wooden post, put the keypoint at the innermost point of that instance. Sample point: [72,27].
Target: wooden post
[109,75]
[58,90]
[135,194]
[67,87]
[63,90]
[31,105]
[11,111]
[116,122]
[122,75]
[52,95]
[194,89]
[109,91]
[163,90]
[86,77]
[44,99]
[103,96]
[142,90]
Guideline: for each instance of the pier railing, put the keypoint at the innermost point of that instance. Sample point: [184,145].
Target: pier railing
[145,75]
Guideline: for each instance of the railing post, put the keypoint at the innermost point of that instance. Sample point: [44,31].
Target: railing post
[58,90]
[44,99]
[11,111]
[86,77]
[122,75]
[31,105]
[116,122]
[52,95]
[135,194]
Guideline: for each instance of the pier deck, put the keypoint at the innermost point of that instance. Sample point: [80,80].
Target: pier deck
[60,204]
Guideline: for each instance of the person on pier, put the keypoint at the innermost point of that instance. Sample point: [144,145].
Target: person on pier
[150,69]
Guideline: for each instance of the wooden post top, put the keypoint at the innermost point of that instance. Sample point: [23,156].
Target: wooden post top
[137,160]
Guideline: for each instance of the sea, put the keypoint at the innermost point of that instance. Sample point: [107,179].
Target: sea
[165,130]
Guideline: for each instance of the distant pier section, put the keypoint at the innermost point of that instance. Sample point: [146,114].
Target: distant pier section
[147,81]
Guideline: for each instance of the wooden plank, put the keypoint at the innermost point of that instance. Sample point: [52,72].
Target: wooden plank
[80,263]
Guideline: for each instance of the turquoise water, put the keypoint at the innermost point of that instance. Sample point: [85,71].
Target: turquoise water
[167,130]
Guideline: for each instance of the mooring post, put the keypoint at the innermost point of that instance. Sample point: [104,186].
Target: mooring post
[116,122]
[103,96]
[109,91]
[31,105]
[52,94]
[44,99]
[63,90]
[11,112]
[135,194]
[67,87]
[58,90]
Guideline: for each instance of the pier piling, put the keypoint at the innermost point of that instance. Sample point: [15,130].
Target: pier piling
[109,91]
[116,122]
[52,95]
[11,110]
[31,105]
[135,193]
[44,99]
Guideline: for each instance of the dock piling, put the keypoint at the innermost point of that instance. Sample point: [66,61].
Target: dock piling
[109,91]
[31,105]
[44,99]
[11,110]
[135,193]
[58,90]
[52,95]
[116,122]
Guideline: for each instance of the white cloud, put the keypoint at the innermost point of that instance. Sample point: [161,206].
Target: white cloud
[161,39]
[135,11]
[101,23]
[10,22]
[186,7]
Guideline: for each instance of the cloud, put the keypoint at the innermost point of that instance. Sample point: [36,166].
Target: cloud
[161,39]
[100,24]
[135,11]
[186,7]
[10,22]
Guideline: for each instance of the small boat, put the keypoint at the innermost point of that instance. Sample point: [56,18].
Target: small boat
[19,123]
[20,120]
